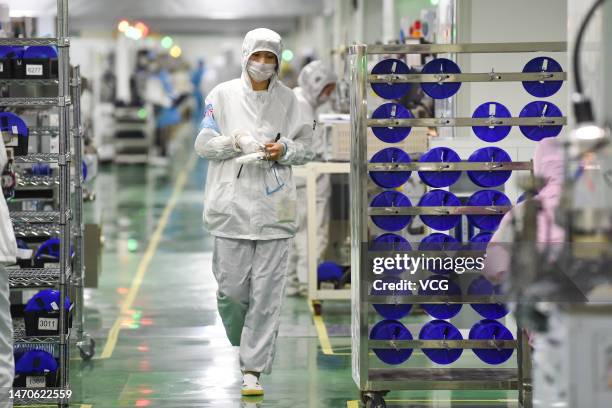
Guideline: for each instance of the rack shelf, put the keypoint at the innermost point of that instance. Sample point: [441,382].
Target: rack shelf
[469,77]
[36,217]
[40,158]
[31,101]
[29,82]
[453,166]
[32,41]
[468,122]
[37,230]
[33,277]
[37,182]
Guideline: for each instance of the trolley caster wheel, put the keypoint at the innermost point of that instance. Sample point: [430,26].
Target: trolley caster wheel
[374,401]
[87,348]
[317,307]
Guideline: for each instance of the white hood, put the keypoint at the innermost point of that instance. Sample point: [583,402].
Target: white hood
[314,78]
[261,39]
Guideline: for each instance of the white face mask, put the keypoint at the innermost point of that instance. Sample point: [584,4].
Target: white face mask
[259,71]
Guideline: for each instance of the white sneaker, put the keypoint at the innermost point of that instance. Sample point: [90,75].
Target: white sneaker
[251,385]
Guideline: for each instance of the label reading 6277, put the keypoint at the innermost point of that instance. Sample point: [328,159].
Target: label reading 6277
[34,70]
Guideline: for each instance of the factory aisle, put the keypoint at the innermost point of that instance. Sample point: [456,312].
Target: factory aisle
[160,341]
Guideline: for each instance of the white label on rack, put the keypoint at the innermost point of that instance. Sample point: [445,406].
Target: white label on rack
[47,324]
[34,70]
[1,66]
[51,265]
[15,130]
[38,381]
[24,253]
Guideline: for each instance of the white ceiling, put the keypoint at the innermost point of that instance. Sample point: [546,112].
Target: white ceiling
[178,15]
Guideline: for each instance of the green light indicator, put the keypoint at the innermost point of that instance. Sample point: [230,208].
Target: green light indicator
[132,245]
[142,113]
[167,42]
[287,55]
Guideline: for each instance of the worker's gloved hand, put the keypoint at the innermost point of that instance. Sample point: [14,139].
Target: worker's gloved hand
[246,142]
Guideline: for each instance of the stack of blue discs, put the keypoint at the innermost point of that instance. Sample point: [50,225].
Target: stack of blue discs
[539,109]
[329,271]
[542,89]
[390,179]
[391,90]
[441,90]
[441,310]
[391,222]
[487,198]
[480,241]
[491,330]
[391,134]
[391,330]
[482,287]
[489,178]
[391,311]
[491,110]
[439,179]
[441,330]
[436,198]
[393,243]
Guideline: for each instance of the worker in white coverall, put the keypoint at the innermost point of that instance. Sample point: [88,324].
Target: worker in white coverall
[315,86]
[8,253]
[250,208]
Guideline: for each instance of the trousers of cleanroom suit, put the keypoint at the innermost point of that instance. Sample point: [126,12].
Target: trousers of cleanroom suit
[7,368]
[251,276]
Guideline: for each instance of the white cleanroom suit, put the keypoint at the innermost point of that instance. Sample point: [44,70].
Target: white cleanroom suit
[312,80]
[250,208]
[8,253]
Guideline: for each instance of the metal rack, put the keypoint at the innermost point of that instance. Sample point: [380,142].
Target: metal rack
[374,383]
[52,223]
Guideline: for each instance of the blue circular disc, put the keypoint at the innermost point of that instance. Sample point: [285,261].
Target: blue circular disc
[537,109]
[390,242]
[11,51]
[440,198]
[441,330]
[391,90]
[40,51]
[482,286]
[441,310]
[10,122]
[391,111]
[36,362]
[480,241]
[439,242]
[390,179]
[391,330]
[329,271]
[542,89]
[46,300]
[487,198]
[445,89]
[491,330]
[489,178]
[391,222]
[491,110]
[440,178]
[391,311]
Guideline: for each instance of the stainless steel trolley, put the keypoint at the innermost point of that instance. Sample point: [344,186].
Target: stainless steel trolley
[373,382]
[52,223]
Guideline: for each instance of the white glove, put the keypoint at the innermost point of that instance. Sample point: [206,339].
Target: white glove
[251,158]
[245,142]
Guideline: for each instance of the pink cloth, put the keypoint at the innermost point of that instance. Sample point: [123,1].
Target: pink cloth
[548,164]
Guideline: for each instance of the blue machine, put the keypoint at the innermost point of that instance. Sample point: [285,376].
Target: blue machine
[441,330]
[391,330]
[491,110]
[46,300]
[441,90]
[391,90]
[391,111]
[440,198]
[440,178]
[390,179]
[391,222]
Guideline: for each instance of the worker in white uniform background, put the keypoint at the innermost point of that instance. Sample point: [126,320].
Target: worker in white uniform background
[315,86]
[250,208]
[8,253]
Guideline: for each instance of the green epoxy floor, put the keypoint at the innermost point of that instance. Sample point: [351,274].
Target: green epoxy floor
[172,351]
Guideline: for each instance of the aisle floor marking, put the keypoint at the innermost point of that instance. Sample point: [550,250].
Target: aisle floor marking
[326,346]
[355,403]
[143,266]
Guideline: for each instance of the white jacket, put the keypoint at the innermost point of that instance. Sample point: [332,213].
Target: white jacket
[241,207]
[8,244]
